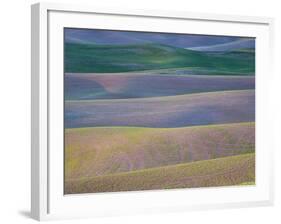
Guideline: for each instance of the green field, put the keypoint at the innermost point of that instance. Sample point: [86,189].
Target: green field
[232,170]
[123,58]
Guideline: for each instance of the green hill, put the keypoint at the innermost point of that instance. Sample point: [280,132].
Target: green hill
[123,58]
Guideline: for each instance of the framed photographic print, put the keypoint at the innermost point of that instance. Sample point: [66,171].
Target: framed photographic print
[148,111]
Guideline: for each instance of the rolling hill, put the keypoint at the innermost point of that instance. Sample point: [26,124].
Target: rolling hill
[230,46]
[114,37]
[101,151]
[138,57]
[232,170]
[86,86]
[146,111]
[169,111]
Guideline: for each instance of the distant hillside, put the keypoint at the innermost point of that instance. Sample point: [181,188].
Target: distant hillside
[114,37]
[242,43]
[124,58]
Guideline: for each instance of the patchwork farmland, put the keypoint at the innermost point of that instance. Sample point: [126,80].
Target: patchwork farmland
[144,112]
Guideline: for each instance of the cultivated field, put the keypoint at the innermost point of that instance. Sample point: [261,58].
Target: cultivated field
[100,151]
[146,111]
[86,86]
[170,111]
[232,170]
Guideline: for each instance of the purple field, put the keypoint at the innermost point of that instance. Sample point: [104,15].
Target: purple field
[148,84]
[170,111]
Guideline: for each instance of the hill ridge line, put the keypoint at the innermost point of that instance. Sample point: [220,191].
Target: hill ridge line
[160,97]
[172,128]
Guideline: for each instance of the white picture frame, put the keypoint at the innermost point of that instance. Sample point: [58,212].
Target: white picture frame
[47,198]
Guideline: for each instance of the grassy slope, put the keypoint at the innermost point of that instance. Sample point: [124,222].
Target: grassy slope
[163,112]
[100,151]
[112,58]
[148,84]
[231,170]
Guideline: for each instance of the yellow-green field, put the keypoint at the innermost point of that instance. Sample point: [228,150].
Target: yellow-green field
[104,158]
[232,170]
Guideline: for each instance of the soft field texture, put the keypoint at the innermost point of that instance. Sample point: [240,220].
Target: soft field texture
[139,57]
[233,170]
[89,86]
[147,111]
[170,111]
[93,152]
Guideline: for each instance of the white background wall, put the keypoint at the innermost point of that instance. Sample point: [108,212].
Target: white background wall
[15,110]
